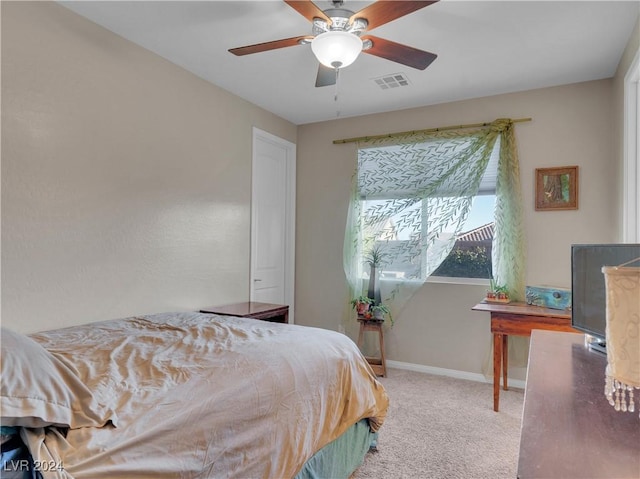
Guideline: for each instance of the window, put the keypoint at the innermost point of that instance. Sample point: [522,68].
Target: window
[471,253]
[414,196]
[411,218]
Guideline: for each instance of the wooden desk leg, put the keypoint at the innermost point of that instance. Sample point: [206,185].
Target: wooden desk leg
[382,360]
[505,359]
[497,360]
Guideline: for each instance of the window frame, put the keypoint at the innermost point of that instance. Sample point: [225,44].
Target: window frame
[432,278]
[487,187]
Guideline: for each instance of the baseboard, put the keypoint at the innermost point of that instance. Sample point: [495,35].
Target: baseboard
[453,373]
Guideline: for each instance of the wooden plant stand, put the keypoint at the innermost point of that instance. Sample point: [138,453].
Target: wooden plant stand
[378,364]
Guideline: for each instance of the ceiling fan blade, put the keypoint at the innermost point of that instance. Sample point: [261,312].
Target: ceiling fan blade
[263,47]
[382,12]
[326,76]
[308,10]
[396,52]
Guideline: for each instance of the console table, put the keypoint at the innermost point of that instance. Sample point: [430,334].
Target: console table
[276,313]
[569,430]
[517,319]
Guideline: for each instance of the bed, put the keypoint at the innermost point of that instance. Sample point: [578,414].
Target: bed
[190,395]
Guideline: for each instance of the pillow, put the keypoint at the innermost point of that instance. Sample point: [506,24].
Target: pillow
[39,390]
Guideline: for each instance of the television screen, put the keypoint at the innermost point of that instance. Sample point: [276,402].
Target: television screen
[588,296]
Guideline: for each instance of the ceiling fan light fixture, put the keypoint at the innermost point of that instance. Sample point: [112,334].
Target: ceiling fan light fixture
[336,49]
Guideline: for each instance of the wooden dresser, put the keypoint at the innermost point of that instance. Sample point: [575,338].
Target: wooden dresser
[569,430]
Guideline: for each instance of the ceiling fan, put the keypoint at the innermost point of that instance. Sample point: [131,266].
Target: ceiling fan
[337,36]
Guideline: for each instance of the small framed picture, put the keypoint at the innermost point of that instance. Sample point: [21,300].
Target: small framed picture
[557,188]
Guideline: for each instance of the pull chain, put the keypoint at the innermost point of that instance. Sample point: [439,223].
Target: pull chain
[335,98]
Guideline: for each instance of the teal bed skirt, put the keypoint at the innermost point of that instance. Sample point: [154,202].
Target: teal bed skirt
[338,459]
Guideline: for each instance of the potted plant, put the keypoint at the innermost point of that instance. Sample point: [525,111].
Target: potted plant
[502,293]
[497,293]
[362,305]
[379,311]
[375,258]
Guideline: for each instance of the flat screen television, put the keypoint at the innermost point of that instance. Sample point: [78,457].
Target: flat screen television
[588,296]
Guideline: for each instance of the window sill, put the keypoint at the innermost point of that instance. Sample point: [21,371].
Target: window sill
[452,280]
[441,280]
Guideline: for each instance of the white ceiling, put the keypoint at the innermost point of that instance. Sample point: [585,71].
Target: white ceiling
[483,47]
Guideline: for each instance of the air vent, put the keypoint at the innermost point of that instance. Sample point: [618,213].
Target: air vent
[395,80]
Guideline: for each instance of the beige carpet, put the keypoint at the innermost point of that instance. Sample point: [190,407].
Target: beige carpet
[439,427]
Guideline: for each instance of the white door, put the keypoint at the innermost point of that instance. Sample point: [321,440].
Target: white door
[272,220]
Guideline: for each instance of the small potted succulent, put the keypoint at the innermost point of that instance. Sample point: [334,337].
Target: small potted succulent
[379,311]
[497,293]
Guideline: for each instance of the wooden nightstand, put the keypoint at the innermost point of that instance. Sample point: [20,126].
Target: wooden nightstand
[276,313]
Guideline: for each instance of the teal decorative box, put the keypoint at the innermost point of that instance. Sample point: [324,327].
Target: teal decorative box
[548,297]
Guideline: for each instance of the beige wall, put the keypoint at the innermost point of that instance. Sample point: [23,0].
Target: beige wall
[571,126]
[126,188]
[125,179]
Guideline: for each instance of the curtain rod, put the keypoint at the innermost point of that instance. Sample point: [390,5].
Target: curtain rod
[428,130]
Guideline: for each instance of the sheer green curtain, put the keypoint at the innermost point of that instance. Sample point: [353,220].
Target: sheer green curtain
[508,251]
[410,198]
